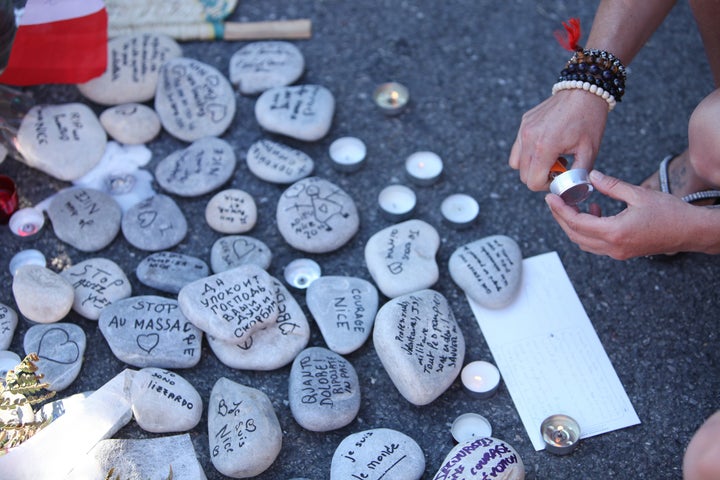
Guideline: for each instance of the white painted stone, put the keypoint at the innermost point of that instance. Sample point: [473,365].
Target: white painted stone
[259,66]
[8,323]
[60,348]
[482,458]
[163,401]
[97,283]
[303,112]
[275,162]
[131,123]
[231,211]
[235,250]
[42,295]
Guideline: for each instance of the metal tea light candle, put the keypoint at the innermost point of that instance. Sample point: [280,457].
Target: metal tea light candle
[560,434]
[397,202]
[424,168]
[573,185]
[469,426]
[391,97]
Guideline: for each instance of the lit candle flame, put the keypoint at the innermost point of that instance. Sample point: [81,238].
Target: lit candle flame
[394,97]
[478,378]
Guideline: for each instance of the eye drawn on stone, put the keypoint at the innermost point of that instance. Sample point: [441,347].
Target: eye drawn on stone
[147,218]
[147,342]
[242,247]
[61,348]
[217,112]
[323,208]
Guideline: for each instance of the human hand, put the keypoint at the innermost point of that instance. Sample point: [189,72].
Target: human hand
[652,223]
[571,122]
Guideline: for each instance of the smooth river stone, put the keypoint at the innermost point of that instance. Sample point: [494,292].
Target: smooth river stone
[324,390]
[42,295]
[231,211]
[131,123]
[376,454]
[272,347]
[65,141]
[316,216]
[60,347]
[488,270]
[85,218]
[154,224]
[150,331]
[244,433]
[170,271]
[231,305]
[344,308]
[198,169]
[194,99]
[401,258]
[303,112]
[133,69]
[259,66]
[234,251]
[482,458]
[420,344]
[8,323]
[97,283]
[277,163]
[163,401]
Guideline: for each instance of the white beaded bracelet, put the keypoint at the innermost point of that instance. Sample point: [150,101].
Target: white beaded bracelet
[588,87]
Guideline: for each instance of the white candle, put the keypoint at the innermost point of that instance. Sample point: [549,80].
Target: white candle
[348,153]
[391,97]
[397,202]
[26,257]
[469,426]
[460,209]
[424,168]
[480,378]
[301,272]
[26,222]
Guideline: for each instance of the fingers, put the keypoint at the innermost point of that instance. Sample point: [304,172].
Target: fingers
[613,187]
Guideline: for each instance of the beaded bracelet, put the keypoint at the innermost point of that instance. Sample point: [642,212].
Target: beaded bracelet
[577,84]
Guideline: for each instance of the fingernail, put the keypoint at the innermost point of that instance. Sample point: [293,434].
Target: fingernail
[595,175]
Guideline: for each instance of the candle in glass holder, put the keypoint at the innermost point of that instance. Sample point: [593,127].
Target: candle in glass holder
[424,168]
[391,97]
[460,210]
[8,198]
[348,153]
[397,202]
[469,426]
[481,379]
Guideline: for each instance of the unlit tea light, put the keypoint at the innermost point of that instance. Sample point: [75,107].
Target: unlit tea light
[480,378]
[397,202]
[469,426]
[460,209]
[301,272]
[424,168]
[391,97]
[348,153]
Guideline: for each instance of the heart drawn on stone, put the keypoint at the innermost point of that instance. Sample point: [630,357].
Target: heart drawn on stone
[217,112]
[242,247]
[55,346]
[148,342]
[147,218]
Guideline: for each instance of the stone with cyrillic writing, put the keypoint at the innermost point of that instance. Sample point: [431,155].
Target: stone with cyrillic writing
[131,123]
[150,331]
[42,295]
[482,458]
[8,323]
[303,112]
[259,66]
[163,401]
[275,162]
[488,270]
[170,271]
[233,251]
[344,309]
[378,454]
[420,344]
[60,348]
[97,283]
[231,211]
[154,224]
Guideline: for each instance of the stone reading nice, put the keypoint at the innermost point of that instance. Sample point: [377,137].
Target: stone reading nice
[420,344]
[482,458]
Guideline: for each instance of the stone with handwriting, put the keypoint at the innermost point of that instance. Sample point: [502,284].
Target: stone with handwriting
[42,295]
[324,390]
[133,69]
[488,270]
[482,458]
[204,166]
[131,123]
[344,309]
[163,401]
[170,271]
[274,346]
[233,251]
[193,99]
[303,112]
[401,258]
[8,323]
[231,211]
[97,282]
[420,344]
[60,348]
[150,331]
[154,224]
[316,216]
[244,433]
[259,66]
[377,454]
[275,162]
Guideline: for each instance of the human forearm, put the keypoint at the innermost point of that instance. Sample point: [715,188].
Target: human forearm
[703,234]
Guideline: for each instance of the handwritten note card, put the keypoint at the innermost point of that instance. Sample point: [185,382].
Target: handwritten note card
[550,356]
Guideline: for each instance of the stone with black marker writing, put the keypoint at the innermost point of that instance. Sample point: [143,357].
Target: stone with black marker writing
[97,283]
[8,323]
[233,251]
[60,348]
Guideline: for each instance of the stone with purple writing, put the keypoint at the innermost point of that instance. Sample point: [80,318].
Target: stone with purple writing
[150,331]
[193,99]
[316,216]
[155,224]
[259,66]
[420,344]
[231,211]
[8,323]
[488,270]
[275,162]
[482,458]
[170,271]
[231,305]
[272,347]
[324,390]
[65,141]
[131,123]
[244,433]
[163,401]
[344,308]
[378,454]
[401,258]
[233,251]
[198,169]
[42,295]
[133,69]
[303,112]
[97,282]
[85,218]
[60,348]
